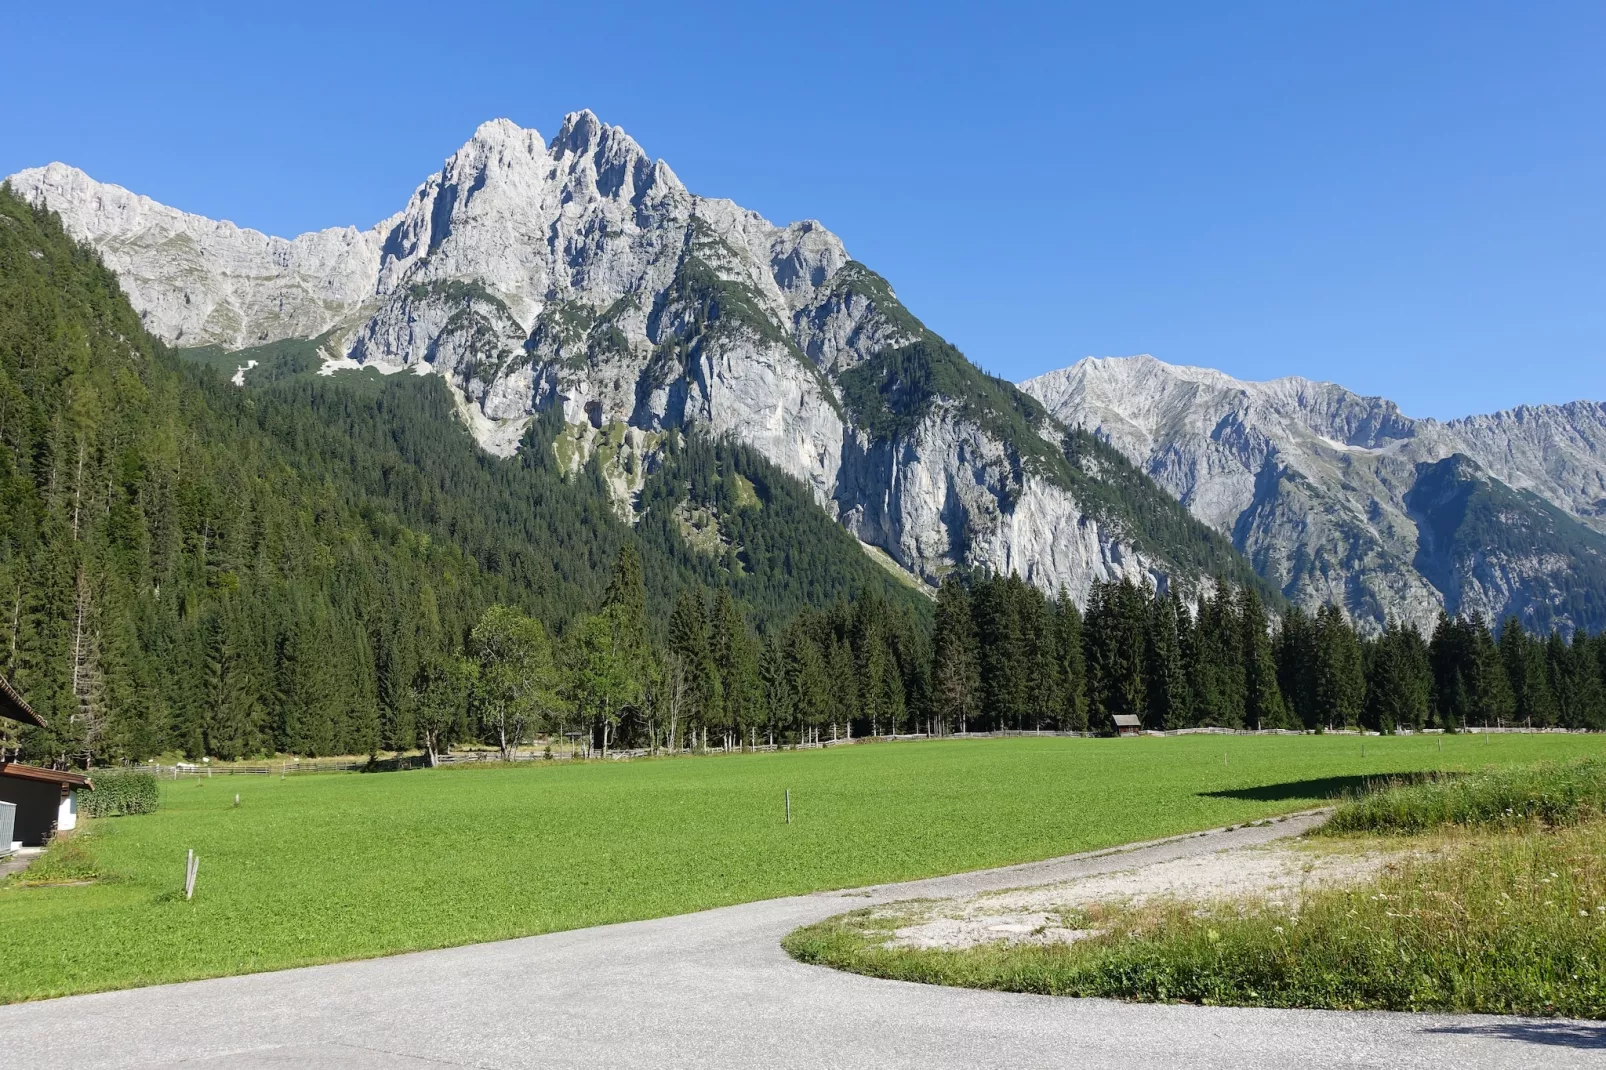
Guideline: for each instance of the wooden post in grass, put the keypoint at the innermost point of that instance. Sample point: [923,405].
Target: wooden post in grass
[788,806]
[192,866]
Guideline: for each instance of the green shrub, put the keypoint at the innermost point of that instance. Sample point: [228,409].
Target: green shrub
[118,793]
[1550,793]
[67,860]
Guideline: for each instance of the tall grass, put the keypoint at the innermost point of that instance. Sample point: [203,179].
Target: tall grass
[1500,908]
[1501,923]
[1551,793]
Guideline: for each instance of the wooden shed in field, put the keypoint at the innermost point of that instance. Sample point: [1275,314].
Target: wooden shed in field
[46,799]
[1127,725]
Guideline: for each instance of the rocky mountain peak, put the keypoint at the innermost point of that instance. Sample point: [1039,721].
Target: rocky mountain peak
[1323,488]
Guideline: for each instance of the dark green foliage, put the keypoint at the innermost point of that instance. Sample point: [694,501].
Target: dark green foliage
[120,792]
[1399,679]
[275,360]
[782,553]
[1340,674]
[954,672]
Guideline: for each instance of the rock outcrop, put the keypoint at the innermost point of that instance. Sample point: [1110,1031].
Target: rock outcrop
[1323,489]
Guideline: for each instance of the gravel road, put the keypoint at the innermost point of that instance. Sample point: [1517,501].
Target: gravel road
[715,989]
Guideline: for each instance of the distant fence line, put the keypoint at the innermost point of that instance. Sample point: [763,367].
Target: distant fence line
[289,767]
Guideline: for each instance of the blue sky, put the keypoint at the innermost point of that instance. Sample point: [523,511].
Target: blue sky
[1407,198]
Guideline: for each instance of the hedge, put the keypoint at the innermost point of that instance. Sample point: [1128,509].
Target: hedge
[120,793]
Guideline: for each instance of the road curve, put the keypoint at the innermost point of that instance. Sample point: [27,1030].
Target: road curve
[715,990]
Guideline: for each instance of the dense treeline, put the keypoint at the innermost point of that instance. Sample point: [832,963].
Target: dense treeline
[1006,657]
[1001,656]
[713,683]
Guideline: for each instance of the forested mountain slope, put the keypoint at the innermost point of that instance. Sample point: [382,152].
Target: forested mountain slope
[187,564]
[578,275]
[1319,487]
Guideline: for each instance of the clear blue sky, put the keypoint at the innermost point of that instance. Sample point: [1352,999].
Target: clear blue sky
[1408,198]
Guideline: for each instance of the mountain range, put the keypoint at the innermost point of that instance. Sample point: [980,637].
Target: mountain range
[1343,498]
[578,277]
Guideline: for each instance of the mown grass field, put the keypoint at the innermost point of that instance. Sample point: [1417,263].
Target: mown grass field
[320,868]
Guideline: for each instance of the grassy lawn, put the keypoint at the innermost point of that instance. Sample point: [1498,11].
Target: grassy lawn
[319,868]
[1496,904]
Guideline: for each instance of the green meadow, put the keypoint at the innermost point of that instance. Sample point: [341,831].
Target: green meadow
[317,868]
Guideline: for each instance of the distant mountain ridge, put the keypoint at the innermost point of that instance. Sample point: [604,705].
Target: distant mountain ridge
[580,274]
[1326,491]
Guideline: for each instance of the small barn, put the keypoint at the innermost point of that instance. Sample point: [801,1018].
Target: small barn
[1127,725]
[46,799]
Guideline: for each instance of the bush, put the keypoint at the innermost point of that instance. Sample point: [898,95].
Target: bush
[67,860]
[1550,793]
[118,793]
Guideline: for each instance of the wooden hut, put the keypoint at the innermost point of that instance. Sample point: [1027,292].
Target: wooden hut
[46,799]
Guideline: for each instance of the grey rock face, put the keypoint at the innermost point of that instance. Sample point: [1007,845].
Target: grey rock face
[198,281]
[1312,481]
[579,272]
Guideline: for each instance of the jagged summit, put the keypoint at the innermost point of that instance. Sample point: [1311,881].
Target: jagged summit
[1313,482]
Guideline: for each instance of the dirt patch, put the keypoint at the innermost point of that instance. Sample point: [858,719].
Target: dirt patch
[1278,873]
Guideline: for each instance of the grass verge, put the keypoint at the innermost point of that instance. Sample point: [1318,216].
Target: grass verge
[1501,910]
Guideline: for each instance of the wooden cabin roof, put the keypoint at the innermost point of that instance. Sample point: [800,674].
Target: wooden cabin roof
[12,706]
[48,776]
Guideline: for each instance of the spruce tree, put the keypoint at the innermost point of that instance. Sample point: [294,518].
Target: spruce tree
[1073,664]
[1340,675]
[1263,699]
[954,657]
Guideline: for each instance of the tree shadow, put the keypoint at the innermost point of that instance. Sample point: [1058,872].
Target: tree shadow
[1589,1036]
[1329,787]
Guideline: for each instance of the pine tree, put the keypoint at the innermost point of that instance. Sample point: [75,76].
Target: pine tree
[1340,676]
[1399,683]
[1533,702]
[1295,652]
[1073,665]
[1042,662]
[1263,699]
[954,669]
[1166,685]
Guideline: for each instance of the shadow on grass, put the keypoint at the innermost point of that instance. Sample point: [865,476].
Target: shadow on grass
[1583,1035]
[1327,787]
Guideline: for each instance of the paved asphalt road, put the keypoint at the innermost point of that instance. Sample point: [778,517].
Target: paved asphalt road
[715,990]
